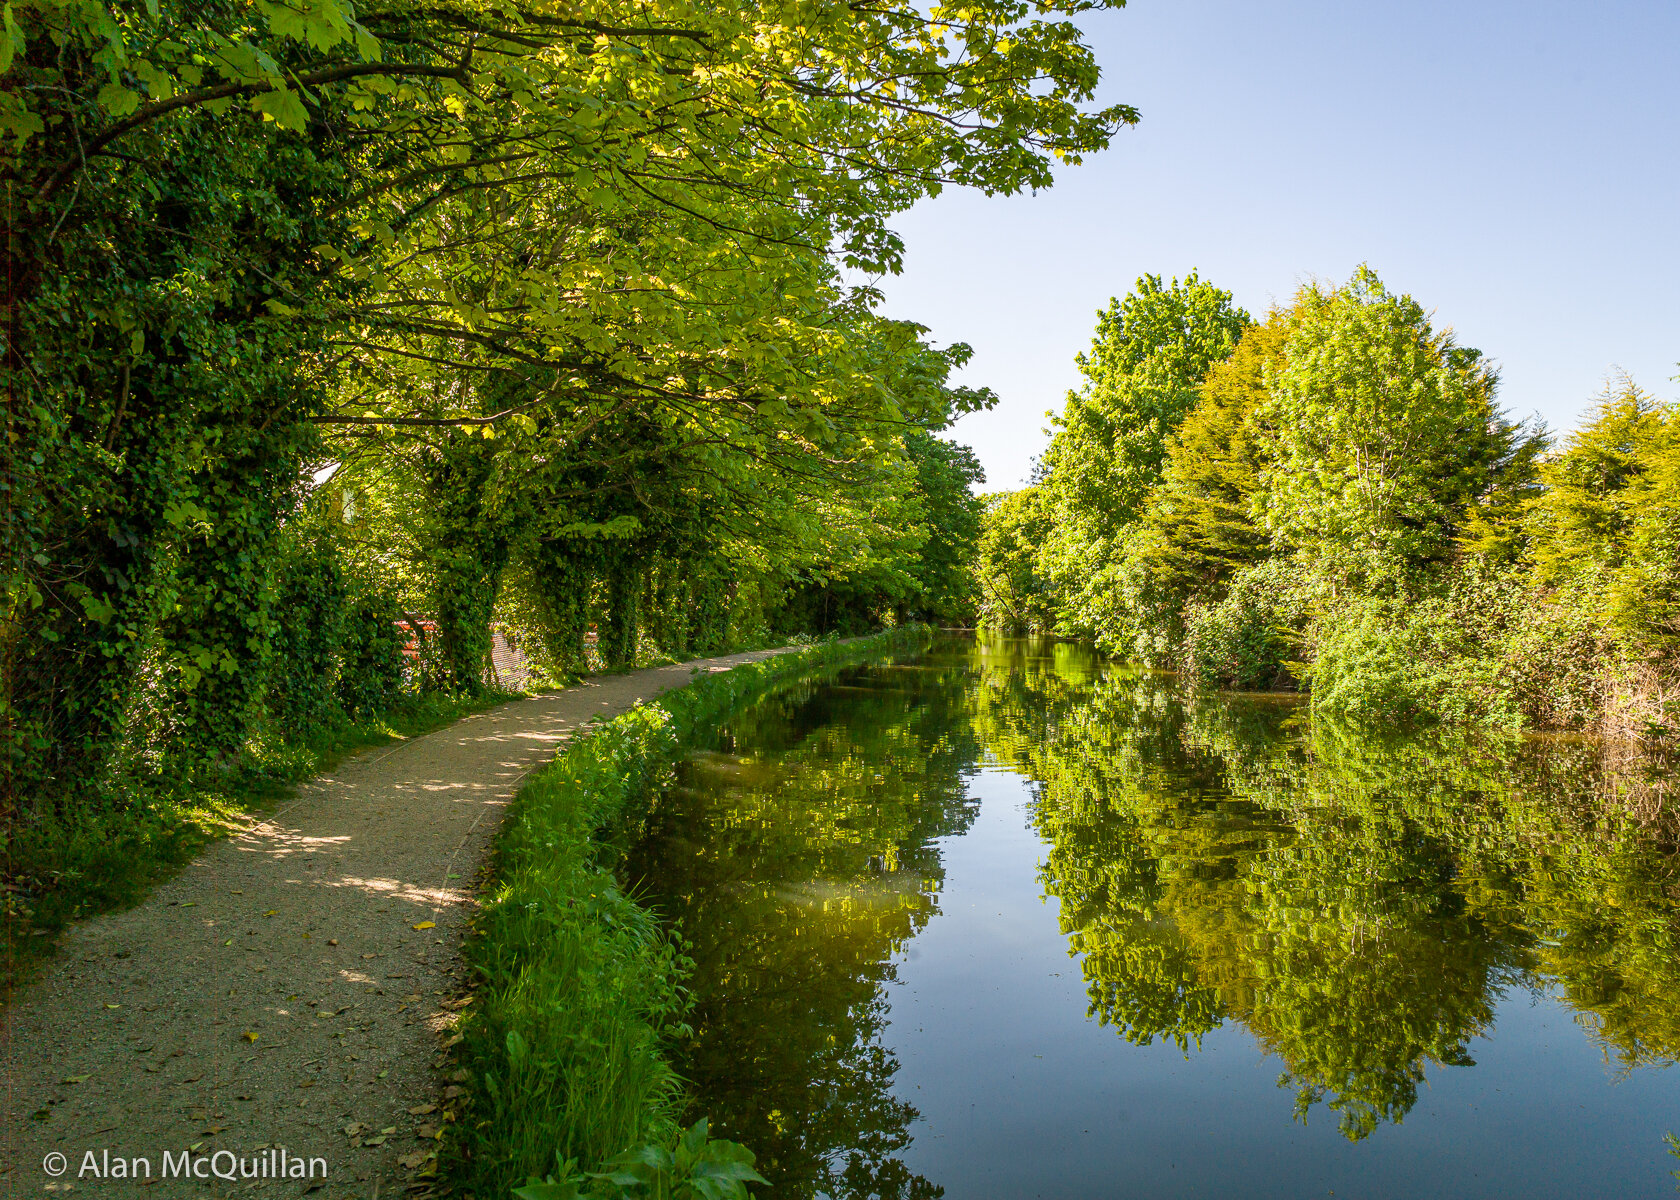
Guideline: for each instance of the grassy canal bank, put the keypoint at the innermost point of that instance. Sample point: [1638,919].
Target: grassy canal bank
[577,986]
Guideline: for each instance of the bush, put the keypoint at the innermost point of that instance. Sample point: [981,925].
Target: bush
[370,669]
[337,648]
[1482,648]
[309,603]
[1372,667]
[1245,639]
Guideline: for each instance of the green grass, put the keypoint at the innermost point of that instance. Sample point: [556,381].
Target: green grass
[141,828]
[577,987]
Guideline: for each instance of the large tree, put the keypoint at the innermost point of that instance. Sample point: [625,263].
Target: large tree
[1381,431]
[1151,352]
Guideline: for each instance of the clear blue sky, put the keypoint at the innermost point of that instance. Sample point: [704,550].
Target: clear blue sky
[1513,166]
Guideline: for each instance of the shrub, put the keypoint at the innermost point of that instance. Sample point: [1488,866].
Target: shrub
[1245,639]
[1370,666]
[337,648]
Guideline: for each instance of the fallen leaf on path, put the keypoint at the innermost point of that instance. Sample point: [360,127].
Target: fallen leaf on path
[190,904]
[389,1129]
[426,925]
[355,1127]
[455,1004]
[427,1133]
[374,1141]
[113,1006]
[409,1162]
[271,912]
[307,1083]
[332,941]
[77,1078]
[420,1110]
[249,1036]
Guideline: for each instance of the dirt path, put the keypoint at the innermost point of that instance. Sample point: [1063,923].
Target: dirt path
[277,991]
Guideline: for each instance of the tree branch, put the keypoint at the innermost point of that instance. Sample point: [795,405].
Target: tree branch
[148,113]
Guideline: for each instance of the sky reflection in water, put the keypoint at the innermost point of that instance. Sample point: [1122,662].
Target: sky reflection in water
[1002,920]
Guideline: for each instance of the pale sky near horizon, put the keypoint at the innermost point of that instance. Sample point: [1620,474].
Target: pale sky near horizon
[1513,166]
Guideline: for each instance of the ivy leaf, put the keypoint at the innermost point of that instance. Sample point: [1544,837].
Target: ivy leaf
[97,609]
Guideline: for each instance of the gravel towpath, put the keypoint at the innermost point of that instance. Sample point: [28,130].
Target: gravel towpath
[290,985]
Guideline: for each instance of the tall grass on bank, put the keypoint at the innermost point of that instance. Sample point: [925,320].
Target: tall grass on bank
[578,987]
[145,824]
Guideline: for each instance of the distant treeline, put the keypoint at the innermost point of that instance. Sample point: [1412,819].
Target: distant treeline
[1333,499]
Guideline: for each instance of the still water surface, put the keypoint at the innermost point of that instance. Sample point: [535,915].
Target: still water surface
[1004,920]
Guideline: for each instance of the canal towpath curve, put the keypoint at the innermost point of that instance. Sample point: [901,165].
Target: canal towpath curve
[291,987]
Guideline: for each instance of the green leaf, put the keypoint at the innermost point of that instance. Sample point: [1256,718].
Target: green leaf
[516,1047]
[18,121]
[282,106]
[549,1189]
[11,39]
[118,100]
[98,610]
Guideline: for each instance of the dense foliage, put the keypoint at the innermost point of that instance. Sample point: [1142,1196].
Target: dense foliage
[525,317]
[1334,499]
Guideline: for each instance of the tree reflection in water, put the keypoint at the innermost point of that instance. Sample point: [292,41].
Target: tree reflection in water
[798,857]
[1359,904]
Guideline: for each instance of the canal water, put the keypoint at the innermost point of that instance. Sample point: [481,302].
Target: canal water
[1002,919]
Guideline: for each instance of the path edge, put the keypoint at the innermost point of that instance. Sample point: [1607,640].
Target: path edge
[556,934]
